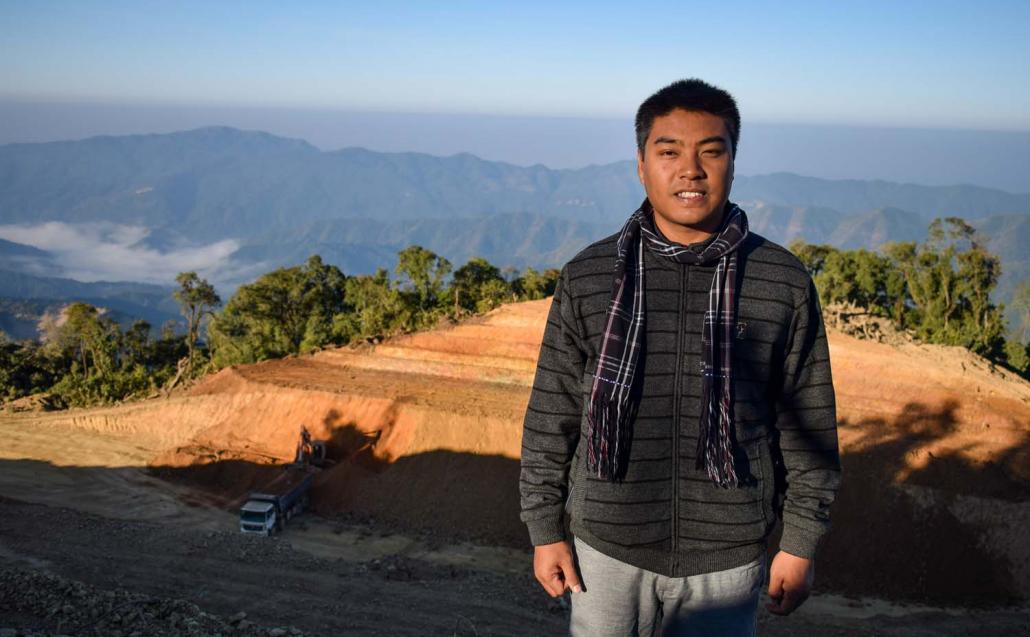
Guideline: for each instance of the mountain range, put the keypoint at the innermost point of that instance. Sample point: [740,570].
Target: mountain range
[232,204]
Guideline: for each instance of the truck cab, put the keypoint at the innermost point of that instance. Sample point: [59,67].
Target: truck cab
[258,517]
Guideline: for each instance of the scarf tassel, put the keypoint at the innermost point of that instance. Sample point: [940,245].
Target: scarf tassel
[713,448]
[606,439]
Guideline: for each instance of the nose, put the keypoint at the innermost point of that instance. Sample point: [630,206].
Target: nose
[690,167]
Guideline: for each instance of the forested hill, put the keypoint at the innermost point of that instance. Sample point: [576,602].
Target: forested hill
[226,182]
[274,201]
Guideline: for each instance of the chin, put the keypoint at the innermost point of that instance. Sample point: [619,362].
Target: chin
[692,218]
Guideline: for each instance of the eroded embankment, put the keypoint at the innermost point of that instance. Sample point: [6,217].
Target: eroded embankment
[418,437]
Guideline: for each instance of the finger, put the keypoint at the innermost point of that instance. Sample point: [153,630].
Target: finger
[792,599]
[775,606]
[785,604]
[775,586]
[572,579]
[776,598]
[547,581]
[548,586]
[555,582]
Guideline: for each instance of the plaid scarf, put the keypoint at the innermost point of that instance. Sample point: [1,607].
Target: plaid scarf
[610,413]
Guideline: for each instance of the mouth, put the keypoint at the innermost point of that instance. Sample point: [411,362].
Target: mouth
[690,195]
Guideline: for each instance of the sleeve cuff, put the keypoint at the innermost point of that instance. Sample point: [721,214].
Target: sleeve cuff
[546,530]
[799,542]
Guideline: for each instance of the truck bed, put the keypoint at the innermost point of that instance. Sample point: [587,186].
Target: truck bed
[290,480]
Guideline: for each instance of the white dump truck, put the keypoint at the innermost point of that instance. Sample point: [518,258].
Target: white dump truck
[267,510]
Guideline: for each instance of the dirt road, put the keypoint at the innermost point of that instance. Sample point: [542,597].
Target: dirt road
[362,583]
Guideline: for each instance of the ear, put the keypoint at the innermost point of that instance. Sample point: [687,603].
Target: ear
[640,166]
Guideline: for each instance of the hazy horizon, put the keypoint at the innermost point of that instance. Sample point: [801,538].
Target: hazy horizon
[925,156]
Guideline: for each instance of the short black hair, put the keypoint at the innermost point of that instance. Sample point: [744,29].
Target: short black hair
[690,95]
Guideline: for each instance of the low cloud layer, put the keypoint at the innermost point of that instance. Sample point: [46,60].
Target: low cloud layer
[115,252]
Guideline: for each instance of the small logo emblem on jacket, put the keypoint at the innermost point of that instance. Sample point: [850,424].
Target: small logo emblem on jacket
[741,330]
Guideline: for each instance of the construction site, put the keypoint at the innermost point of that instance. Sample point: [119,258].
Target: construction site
[402,515]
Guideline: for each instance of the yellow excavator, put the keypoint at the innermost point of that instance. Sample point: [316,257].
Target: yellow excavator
[268,510]
[309,452]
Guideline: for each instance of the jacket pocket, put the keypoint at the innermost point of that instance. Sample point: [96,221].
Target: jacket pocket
[574,480]
[713,517]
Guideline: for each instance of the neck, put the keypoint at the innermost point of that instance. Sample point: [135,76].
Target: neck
[687,235]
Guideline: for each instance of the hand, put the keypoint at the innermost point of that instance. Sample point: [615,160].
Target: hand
[790,582]
[555,569]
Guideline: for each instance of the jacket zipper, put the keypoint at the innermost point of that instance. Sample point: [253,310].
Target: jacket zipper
[677,379]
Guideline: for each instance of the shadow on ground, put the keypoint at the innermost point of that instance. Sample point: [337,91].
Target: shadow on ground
[886,543]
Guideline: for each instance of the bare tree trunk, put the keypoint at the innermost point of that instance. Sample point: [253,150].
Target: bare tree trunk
[180,368]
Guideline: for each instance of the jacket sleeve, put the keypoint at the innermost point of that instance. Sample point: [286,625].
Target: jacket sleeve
[551,427]
[807,424]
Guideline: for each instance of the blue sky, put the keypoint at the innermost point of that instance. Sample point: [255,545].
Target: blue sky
[923,64]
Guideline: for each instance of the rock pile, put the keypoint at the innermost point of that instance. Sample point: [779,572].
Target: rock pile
[34,403]
[34,604]
[857,321]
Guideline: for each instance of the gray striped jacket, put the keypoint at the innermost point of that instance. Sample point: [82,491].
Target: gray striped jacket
[667,516]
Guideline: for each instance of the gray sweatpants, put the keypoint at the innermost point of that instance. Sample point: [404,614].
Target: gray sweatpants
[620,600]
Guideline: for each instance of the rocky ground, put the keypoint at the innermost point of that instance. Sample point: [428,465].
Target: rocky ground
[89,575]
[178,575]
[41,603]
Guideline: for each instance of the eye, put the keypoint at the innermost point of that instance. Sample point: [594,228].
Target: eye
[667,153]
[713,152]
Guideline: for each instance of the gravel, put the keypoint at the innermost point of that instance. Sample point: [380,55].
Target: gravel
[35,603]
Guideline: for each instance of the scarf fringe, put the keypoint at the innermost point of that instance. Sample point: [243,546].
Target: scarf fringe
[715,458]
[606,442]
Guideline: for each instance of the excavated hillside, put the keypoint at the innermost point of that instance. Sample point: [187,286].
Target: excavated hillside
[425,431]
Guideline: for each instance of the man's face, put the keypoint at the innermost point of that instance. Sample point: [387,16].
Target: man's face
[686,168]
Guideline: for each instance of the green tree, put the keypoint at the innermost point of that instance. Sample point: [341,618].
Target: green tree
[135,343]
[101,368]
[864,278]
[949,279]
[811,255]
[493,294]
[477,286]
[1017,356]
[286,311]
[533,285]
[376,308]
[932,285]
[983,323]
[1021,303]
[422,273]
[88,338]
[1017,345]
[25,369]
[197,299]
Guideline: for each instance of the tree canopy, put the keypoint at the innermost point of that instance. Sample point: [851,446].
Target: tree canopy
[940,288]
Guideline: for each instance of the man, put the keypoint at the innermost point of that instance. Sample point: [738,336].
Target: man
[682,402]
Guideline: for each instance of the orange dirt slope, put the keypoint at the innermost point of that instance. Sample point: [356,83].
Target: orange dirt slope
[426,429]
